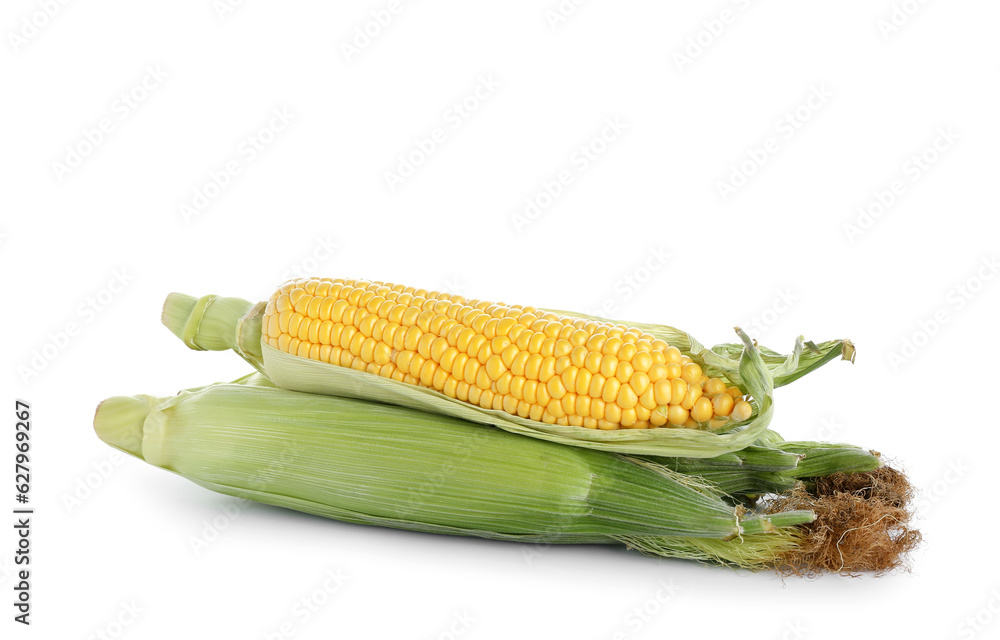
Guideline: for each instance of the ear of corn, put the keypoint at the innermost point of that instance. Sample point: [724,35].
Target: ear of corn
[379,464]
[563,378]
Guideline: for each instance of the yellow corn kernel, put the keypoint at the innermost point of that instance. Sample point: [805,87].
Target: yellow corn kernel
[611,346]
[722,404]
[509,404]
[562,348]
[555,387]
[536,411]
[530,393]
[678,389]
[495,367]
[593,362]
[639,382]
[714,387]
[612,413]
[597,407]
[547,369]
[533,366]
[642,361]
[677,415]
[596,342]
[624,372]
[691,397]
[662,392]
[568,403]
[475,394]
[702,410]
[416,363]
[657,419]
[690,373]
[609,364]
[368,349]
[657,372]
[569,377]
[535,343]
[482,380]
[519,362]
[611,387]
[673,370]
[471,370]
[562,363]
[509,354]
[440,378]
[672,355]
[642,414]
[741,411]
[627,352]
[555,408]
[583,379]
[648,398]
[627,399]
[596,389]
[628,418]
[517,387]
[427,372]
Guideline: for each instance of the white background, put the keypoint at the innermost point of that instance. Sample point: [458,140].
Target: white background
[776,254]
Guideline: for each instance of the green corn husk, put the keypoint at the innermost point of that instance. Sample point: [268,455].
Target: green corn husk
[823,460]
[818,459]
[377,464]
[774,465]
[752,471]
[214,323]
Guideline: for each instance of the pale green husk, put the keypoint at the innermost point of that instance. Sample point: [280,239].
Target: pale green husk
[773,465]
[198,321]
[378,464]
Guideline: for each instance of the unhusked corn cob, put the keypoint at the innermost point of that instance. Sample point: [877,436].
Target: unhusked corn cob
[386,465]
[537,365]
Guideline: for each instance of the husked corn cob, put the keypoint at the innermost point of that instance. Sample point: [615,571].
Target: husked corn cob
[537,365]
[553,375]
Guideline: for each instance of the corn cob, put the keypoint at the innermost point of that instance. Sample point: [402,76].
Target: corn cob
[538,365]
[379,464]
[558,376]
